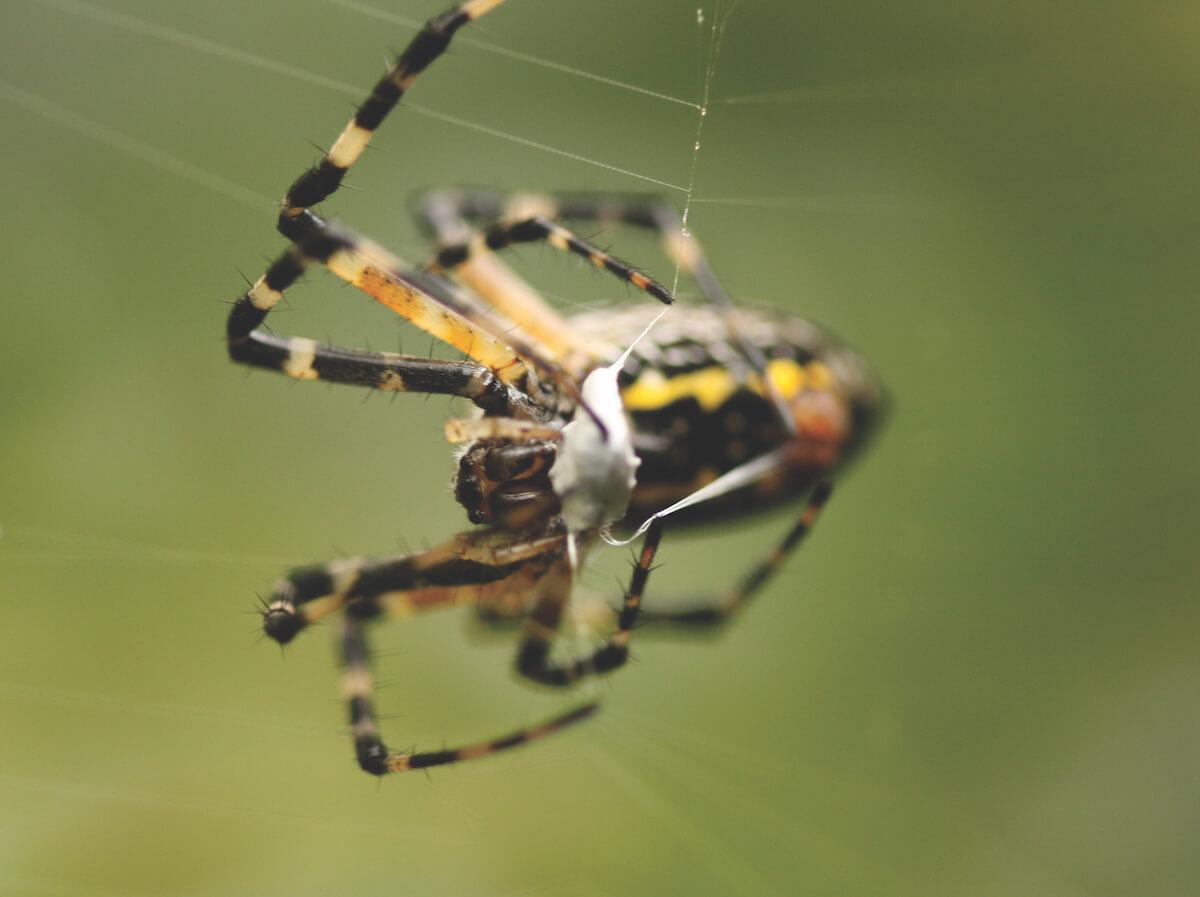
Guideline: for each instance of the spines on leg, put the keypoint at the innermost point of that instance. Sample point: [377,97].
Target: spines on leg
[533,658]
[319,182]
[541,229]
[724,606]
[372,753]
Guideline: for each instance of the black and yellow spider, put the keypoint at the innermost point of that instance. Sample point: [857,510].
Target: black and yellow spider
[715,412]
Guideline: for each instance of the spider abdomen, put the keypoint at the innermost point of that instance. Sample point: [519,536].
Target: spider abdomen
[699,410]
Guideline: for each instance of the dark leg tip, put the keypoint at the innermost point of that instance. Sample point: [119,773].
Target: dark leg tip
[282,624]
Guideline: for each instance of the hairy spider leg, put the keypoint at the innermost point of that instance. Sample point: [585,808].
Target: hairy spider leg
[358,261]
[536,229]
[474,566]
[375,757]
[435,307]
[381,276]
[305,359]
[719,608]
[645,212]
[341,251]
[320,181]
[468,255]
[453,318]
[542,626]
[385,371]
[376,272]
[503,288]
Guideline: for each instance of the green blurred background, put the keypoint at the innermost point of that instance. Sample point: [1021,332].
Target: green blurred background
[978,679]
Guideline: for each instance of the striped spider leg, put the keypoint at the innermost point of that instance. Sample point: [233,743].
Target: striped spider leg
[469,255]
[444,210]
[376,273]
[319,182]
[539,228]
[481,567]
[367,266]
[542,626]
[720,608]
[522,218]
[377,759]
[305,359]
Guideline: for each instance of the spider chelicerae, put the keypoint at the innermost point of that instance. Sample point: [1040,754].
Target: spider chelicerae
[713,413]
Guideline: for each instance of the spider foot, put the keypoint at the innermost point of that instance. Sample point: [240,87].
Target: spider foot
[282,622]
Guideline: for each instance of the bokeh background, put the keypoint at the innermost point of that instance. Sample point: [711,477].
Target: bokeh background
[980,676]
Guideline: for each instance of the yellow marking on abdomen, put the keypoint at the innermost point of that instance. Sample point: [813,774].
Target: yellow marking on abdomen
[711,387]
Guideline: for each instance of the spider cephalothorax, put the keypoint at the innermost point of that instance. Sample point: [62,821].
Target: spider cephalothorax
[706,415]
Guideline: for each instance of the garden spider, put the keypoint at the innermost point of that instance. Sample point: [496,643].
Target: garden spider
[720,411]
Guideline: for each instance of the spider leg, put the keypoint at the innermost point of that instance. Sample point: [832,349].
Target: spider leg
[374,756]
[645,212]
[305,359]
[319,182]
[433,305]
[542,628]
[536,229]
[476,566]
[377,273]
[720,608]
[503,288]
